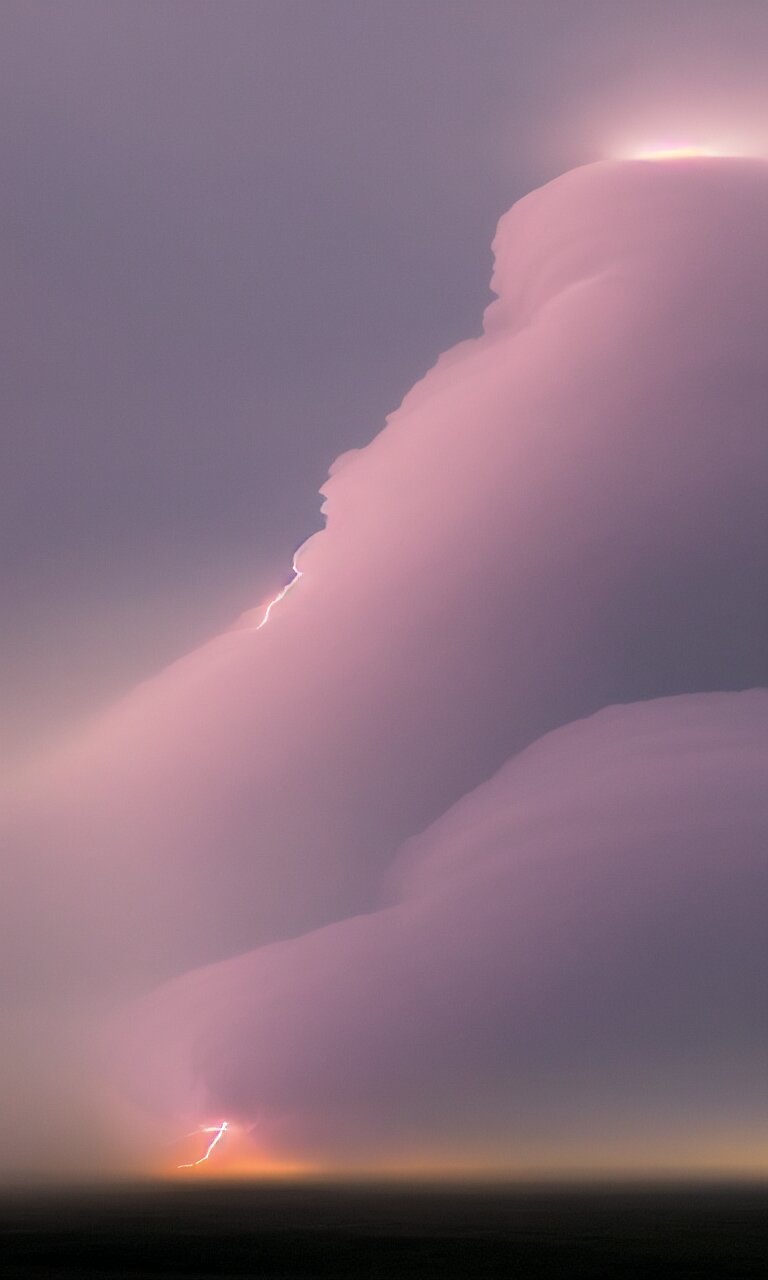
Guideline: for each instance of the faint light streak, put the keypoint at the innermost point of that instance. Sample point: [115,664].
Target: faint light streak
[218,1131]
[280,596]
[715,146]
[677,153]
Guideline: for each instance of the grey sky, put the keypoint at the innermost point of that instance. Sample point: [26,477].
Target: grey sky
[234,234]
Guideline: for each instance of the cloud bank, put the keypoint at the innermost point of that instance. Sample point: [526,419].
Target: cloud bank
[574,964]
[567,512]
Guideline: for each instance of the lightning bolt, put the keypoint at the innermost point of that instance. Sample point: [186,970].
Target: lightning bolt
[280,596]
[218,1131]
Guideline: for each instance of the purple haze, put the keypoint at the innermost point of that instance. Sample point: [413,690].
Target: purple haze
[567,512]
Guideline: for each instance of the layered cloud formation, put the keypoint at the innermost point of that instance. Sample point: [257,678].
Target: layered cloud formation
[567,512]
[573,969]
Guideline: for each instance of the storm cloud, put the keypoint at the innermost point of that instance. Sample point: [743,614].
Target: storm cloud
[568,512]
[573,971]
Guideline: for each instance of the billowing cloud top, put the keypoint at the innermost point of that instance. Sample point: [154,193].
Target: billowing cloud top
[566,513]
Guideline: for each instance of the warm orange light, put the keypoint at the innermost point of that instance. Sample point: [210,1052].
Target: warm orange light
[252,1169]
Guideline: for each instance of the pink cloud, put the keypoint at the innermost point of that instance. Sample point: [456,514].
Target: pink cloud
[567,512]
[574,963]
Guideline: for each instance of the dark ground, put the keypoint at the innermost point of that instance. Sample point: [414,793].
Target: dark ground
[385,1232]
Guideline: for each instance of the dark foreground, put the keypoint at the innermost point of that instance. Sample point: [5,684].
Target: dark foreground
[385,1232]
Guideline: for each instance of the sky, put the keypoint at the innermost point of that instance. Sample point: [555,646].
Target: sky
[458,863]
[234,235]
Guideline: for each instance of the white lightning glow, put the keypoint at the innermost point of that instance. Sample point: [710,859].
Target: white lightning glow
[280,596]
[685,132]
[705,146]
[677,153]
[218,1131]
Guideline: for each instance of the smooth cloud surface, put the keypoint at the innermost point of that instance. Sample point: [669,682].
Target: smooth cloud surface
[567,512]
[573,972]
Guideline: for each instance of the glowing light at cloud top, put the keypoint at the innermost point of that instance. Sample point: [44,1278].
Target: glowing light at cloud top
[677,153]
[691,144]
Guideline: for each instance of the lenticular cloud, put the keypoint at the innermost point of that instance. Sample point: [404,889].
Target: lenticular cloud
[568,512]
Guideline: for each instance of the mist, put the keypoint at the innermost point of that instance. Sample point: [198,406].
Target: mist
[246,887]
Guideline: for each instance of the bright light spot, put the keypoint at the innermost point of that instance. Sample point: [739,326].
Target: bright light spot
[218,1131]
[677,153]
[680,147]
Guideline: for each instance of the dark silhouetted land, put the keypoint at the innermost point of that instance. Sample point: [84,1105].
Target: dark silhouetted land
[385,1232]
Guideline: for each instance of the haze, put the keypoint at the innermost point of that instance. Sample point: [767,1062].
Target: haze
[457,864]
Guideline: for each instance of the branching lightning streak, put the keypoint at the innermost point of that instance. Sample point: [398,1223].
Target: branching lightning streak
[280,596]
[218,1131]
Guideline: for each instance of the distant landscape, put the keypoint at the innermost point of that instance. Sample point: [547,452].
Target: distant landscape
[273,1232]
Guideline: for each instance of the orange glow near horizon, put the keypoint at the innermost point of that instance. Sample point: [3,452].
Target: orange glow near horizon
[686,1157]
[230,1152]
[251,1168]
